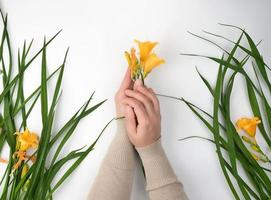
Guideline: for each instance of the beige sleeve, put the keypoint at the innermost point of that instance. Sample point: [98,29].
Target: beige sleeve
[162,183]
[115,177]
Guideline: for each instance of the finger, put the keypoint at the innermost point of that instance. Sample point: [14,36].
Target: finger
[130,120]
[151,95]
[143,99]
[137,83]
[127,81]
[139,109]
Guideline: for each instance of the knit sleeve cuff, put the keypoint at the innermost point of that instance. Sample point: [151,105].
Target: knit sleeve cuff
[156,165]
[120,152]
[120,125]
[151,150]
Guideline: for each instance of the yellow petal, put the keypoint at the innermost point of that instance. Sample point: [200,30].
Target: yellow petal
[134,61]
[128,58]
[255,148]
[27,140]
[25,170]
[249,125]
[255,156]
[32,158]
[152,62]
[21,156]
[145,49]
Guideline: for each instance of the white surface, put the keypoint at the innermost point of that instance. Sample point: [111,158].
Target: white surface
[98,32]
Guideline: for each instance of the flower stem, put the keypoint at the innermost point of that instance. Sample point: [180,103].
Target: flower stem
[168,96]
[142,78]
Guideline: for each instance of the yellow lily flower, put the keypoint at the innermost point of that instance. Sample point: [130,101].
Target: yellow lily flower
[152,62]
[145,49]
[21,155]
[140,67]
[27,140]
[249,125]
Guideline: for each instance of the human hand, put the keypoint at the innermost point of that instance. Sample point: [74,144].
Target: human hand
[127,83]
[143,119]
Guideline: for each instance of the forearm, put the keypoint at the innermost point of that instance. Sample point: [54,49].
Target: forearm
[162,182]
[115,177]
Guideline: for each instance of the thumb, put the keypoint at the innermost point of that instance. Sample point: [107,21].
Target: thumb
[130,121]
[127,81]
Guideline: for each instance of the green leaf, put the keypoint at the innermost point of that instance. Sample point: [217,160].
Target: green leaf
[256,111]
[78,161]
[44,98]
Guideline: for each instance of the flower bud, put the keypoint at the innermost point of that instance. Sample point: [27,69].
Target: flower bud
[257,158]
[24,170]
[255,148]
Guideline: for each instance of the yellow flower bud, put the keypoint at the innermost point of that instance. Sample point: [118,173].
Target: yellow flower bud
[246,139]
[255,147]
[257,158]
[25,187]
[24,170]
[264,158]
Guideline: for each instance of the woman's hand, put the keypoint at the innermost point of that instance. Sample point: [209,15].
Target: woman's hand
[127,83]
[143,119]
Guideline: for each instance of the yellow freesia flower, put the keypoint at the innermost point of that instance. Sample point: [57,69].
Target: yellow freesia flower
[249,125]
[27,140]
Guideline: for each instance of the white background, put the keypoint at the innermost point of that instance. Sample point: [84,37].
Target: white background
[98,32]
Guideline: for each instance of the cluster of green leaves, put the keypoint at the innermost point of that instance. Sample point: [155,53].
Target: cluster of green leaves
[232,152]
[229,146]
[38,182]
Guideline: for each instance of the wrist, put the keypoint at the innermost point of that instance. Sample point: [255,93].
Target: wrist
[150,150]
[146,142]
